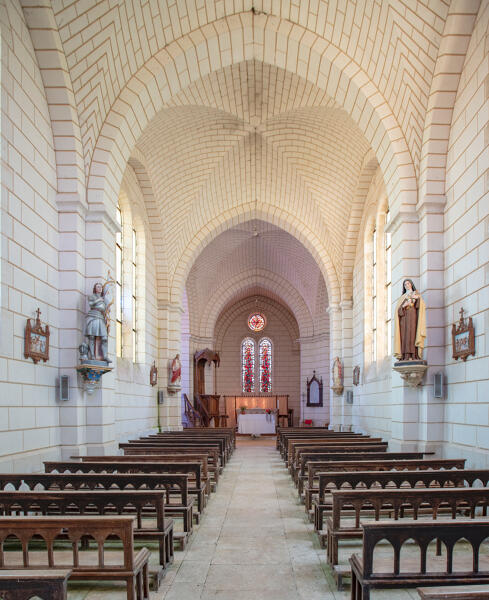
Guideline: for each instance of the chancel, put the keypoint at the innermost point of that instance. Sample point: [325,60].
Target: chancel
[244,301]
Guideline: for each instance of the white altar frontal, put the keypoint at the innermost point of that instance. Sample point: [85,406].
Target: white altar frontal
[256,423]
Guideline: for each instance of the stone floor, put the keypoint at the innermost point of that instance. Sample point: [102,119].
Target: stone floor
[252,544]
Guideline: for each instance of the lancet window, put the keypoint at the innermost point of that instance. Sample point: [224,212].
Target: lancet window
[248,365]
[265,347]
[119,270]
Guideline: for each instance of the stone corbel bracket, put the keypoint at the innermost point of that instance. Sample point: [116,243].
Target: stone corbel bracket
[337,389]
[174,389]
[412,371]
[91,376]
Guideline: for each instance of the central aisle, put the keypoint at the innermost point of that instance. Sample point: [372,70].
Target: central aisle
[253,542]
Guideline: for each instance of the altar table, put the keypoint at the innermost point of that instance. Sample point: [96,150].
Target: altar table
[256,423]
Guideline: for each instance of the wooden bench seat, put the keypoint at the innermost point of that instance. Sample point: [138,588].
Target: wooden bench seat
[178,503]
[309,478]
[196,485]
[409,504]
[361,445]
[364,578]
[333,481]
[203,459]
[213,461]
[149,446]
[24,584]
[321,455]
[133,569]
[456,592]
[142,503]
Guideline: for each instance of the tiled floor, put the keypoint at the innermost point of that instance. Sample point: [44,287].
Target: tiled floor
[252,544]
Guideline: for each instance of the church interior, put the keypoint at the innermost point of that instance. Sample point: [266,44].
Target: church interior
[244,301]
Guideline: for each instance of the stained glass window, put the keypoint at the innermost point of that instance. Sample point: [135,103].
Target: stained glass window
[256,322]
[248,365]
[265,365]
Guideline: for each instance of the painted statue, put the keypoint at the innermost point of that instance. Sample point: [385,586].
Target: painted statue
[410,324]
[176,371]
[97,323]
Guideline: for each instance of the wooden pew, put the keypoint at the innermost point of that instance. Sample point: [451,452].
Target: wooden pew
[197,446]
[202,458]
[294,446]
[283,437]
[310,456]
[314,469]
[402,503]
[226,433]
[214,464]
[134,567]
[24,584]
[142,503]
[422,533]
[225,447]
[178,502]
[194,470]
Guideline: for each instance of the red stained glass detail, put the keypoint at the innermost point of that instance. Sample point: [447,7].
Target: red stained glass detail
[256,322]
[248,365]
[265,366]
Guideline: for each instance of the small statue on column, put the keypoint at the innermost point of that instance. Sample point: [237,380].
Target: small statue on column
[410,324]
[175,375]
[97,323]
[410,335]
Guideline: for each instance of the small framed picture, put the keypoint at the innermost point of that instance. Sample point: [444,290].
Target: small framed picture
[153,374]
[36,341]
[463,338]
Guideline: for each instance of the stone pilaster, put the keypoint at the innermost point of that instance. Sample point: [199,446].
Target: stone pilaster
[169,342]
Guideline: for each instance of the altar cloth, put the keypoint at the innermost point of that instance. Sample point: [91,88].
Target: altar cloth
[256,423]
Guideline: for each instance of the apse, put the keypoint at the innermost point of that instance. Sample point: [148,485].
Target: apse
[258,268]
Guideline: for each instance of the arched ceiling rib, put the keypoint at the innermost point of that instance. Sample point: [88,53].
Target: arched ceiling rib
[394,42]
[204,161]
[249,259]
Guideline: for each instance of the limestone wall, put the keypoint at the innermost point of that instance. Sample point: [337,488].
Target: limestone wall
[29,415]
[466,256]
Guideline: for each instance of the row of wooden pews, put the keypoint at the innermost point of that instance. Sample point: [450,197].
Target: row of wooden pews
[98,517]
[418,521]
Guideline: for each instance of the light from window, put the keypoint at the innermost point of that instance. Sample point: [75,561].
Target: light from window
[265,365]
[118,283]
[374,296]
[248,365]
[134,296]
[388,286]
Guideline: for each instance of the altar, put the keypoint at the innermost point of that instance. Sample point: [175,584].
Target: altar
[273,402]
[256,422]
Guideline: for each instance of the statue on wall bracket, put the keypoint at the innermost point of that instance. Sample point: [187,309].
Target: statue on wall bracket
[337,386]
[175,376]
[410,335]
[94,359]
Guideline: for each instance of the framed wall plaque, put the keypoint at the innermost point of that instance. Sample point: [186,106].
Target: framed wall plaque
[356,375]
[463,338]
[314,391]
[36,340]
[153,374]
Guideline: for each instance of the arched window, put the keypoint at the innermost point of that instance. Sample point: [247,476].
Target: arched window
[374,295]
[248,365]
[388,286]
[265,348]
[134,297]
[118,283]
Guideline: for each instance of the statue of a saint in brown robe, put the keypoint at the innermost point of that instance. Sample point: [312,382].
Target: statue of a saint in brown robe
[410,321]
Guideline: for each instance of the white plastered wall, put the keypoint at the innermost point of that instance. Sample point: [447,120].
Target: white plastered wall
[29,415]
[466,254]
